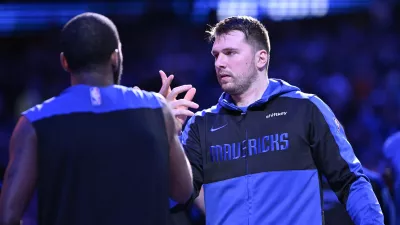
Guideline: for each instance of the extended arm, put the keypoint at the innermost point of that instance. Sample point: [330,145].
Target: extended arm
[334,156]
[180,172]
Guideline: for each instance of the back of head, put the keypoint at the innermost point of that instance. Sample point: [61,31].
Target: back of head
[87,41]
[254,31]
[391,150]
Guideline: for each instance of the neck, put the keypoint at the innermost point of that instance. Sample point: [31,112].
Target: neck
[92,79]
[253,93]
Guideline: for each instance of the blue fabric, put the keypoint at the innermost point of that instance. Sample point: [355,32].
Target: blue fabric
[87,99]
[362,204]
[184,136]
[276,87]
[391,150]
[84,98]
[271,198]
[244,109]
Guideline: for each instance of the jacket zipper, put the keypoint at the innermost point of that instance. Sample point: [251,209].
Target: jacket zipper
[246,152]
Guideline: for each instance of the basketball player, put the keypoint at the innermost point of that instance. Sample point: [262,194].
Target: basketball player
[98,148]
[260,152]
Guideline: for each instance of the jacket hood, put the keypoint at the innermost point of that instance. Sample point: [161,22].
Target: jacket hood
[276,88]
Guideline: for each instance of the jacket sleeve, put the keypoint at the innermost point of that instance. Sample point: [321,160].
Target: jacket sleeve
[335,158]
[190,139]
[191,143]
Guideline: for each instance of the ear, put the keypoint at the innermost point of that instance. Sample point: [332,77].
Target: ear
[262,59]
[64,62]
[115,58]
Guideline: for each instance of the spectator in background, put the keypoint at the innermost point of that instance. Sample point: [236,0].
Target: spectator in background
[391,150]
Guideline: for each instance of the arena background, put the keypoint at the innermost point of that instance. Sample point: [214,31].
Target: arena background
[345,51]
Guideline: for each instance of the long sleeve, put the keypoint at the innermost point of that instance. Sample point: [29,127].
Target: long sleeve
[335,158]
[191,143]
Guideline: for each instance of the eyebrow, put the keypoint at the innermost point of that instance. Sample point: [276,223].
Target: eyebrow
[224,50]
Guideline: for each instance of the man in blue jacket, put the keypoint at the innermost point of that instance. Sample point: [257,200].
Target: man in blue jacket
[260,153]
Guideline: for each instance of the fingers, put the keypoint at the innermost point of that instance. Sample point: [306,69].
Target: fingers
[183,103]
[166,83]
[136,87]
[182,112]
[190,94]
[178,90]
[163,76]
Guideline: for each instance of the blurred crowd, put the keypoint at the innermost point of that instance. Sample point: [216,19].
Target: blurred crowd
[351,61]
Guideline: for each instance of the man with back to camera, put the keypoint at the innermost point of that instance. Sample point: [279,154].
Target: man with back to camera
[261,151]
[97,148]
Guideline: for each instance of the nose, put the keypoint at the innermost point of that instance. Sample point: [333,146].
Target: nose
[220,61]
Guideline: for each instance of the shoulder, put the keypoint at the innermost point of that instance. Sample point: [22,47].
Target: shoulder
[311,99]
[24,132]
[298,95]
[43,110]
[140,98]
[308,97]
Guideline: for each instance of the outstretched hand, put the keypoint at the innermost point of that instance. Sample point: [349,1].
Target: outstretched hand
[180,107]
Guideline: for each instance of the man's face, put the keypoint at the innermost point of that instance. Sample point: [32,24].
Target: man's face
[234,62]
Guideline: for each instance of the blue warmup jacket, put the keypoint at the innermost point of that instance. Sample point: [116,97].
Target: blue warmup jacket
[264,165]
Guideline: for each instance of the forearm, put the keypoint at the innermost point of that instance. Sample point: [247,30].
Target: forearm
[181,179]
[362,204]
[199,202]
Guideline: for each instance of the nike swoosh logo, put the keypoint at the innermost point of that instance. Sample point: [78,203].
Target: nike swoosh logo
[215,129]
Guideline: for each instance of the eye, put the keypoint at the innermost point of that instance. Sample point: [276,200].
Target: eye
[229,53]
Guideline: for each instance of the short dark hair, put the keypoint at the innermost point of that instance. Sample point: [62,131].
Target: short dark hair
[88,40]
[254,31]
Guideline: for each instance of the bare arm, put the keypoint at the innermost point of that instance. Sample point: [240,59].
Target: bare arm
[181,179]
[21,174]
[199,201]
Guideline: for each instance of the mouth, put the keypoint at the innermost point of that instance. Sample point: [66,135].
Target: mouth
[223,76]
